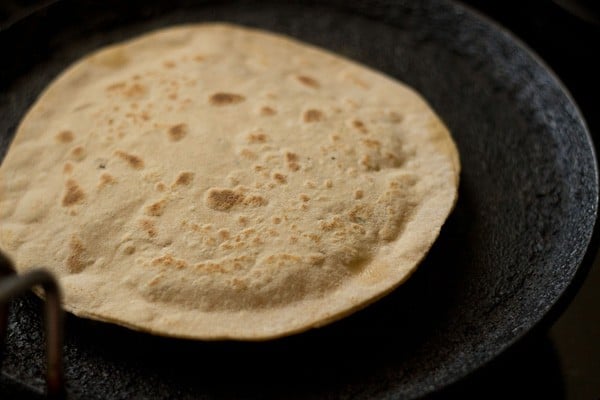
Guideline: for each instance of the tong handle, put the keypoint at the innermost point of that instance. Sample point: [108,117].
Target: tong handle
[12,285]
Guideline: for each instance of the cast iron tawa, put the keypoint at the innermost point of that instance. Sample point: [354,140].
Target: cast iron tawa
[509,251]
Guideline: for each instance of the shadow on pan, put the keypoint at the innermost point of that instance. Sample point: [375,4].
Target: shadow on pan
[512,247]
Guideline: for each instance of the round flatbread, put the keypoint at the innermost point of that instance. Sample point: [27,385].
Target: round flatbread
[216,182]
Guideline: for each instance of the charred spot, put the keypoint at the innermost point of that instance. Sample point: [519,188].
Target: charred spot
[78,153]
[178,132]
[358,124]
[256,137]
[134,161]
[184,179]
[267,111]
[224,99]
[222,199]
[65,136]
[279,177]
[156,209]
[313,115]
[73,194]
[308,81]
[148,226]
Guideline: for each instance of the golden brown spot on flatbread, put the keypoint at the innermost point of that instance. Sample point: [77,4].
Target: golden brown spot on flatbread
[360,213]
[327,183]
[160,187]
[68,168]
[313,115]
[290,157]
[393,159]
[170,261]
[267,111]
[177,132]
[78,153]
[210,267]
[184,178]
[156,209]
[368,163]
[129,250]
[75,260]
[169,64]
[308,81]
[224,99]
[106,179]
[135,90]
[248,232]
[221,199]
[358,124]
[312,236]
[276,220]
[255,201]
[199,58]
[332,223]
[316,258]
[304,197]
[73,193]
[134,161]
[257,137]
[279,177]
[358,194]
[64,136]
[292,161]
[148,226]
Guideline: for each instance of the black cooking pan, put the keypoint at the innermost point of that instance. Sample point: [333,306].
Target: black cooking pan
[506,257]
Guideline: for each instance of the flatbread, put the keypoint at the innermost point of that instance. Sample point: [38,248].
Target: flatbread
[211,181]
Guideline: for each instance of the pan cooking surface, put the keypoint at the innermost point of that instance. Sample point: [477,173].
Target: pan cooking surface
[525,215]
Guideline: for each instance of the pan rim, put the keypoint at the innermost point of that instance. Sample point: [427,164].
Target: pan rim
[585,260]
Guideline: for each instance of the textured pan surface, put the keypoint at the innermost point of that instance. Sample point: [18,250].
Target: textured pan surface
[526,210]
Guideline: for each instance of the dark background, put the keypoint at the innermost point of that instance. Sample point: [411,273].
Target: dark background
[564,363]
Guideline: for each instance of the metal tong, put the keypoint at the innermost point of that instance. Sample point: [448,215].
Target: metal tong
[12,285]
